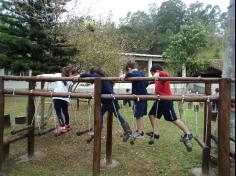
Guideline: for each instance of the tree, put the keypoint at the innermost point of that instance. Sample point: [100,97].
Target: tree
[137,30]
[97,43]
[184,49]
[30,36]
[229,65]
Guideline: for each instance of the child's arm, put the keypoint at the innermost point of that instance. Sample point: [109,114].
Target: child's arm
[89,75]
[161,74]
[129,75]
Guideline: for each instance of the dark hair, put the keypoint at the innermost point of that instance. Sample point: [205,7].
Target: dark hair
[155,68]
[66,71]
[217,90]
[131,64]
[97,70]
[70,69]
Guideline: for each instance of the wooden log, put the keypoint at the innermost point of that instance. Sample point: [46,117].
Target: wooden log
[109,138]
[2,105]
[30,115]
[182,79]
[207,133]
[97,128]
[15,131]
[83,131]
[224,127]
[45,131]
[201,143]
[15,138]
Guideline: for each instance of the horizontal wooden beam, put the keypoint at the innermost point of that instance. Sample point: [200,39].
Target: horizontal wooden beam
[114,79]
[154,97]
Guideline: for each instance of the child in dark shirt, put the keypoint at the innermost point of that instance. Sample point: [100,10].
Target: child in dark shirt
[163,107]
[138,88]
[107,88]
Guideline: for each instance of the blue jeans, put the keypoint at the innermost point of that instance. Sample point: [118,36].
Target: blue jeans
[114,106]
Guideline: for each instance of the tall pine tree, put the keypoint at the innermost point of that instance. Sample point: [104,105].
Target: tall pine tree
[31,36]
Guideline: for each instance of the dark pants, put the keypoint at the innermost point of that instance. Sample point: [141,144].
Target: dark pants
[60,107]
[127,102]
[114,107]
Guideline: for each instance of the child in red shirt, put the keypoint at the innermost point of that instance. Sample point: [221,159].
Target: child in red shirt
[163,107]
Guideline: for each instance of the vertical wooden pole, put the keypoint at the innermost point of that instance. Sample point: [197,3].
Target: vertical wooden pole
[42,107]
[109,138]
[30,116]
[207,133]
[224,127]
[2,102]
[97,128]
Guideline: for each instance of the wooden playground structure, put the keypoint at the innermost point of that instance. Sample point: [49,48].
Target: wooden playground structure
[28,132]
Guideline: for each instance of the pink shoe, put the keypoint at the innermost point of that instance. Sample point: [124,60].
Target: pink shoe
[59,130]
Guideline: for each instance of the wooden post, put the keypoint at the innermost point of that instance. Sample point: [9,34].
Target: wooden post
[77,104]
[42,105]
[97,128]
[224,127]
[2,102]
[30,116]
[207,133]
[109,138]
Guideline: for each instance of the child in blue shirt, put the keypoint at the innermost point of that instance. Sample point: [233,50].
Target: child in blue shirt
[107,88]
[138,88]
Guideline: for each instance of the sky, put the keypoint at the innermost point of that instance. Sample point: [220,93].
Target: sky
[119,8]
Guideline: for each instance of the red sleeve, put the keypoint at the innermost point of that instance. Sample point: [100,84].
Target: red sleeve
[163,74]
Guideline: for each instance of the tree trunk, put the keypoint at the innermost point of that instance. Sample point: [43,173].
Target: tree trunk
[229,64]
[229,69]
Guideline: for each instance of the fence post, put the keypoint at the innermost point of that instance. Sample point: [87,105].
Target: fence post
[97,127]
[42,105]
[2,104]
[109,138]
[207,133]
[30,116]
[224,127]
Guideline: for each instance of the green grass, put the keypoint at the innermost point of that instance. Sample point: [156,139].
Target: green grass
[70,155]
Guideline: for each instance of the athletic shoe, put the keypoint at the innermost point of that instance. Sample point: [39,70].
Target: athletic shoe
[186,137]
[138,135]
[156,135]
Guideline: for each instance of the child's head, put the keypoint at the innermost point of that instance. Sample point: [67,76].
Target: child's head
[131,65]
[217,90]
[97,70]
[155,68]
[69,70]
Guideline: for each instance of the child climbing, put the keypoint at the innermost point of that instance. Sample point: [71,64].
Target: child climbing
[61,103]
[163,107]
[107,88]
[138,88]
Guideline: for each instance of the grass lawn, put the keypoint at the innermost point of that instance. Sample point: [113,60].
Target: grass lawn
[70,155]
